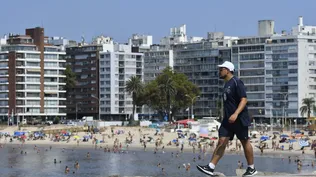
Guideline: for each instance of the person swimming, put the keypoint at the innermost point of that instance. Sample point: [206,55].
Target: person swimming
[66,169]
[77,165]
[188,167]
[55,161]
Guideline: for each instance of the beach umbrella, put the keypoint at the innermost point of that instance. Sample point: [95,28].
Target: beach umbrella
[192,139]
[303,143]
[76,137]
[292,140]
[284,136]
[179,131]
[264,138]
[297,131]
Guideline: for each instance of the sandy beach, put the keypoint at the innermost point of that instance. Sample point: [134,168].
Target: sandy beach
[122,134]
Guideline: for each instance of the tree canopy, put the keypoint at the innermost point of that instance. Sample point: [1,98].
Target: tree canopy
[134,86]
[169,92]
[70,79]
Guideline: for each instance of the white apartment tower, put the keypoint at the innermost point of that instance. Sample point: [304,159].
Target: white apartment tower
[117,64]
[279,70]
[32,77]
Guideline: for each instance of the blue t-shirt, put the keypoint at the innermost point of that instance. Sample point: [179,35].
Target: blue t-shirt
[234,90]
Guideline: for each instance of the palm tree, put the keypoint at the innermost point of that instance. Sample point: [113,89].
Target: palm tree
[167,87]
[308,106]
[134,86]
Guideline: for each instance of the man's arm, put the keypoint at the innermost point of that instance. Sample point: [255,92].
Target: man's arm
[241,105]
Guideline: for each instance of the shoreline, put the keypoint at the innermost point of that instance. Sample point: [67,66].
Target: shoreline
[137,147]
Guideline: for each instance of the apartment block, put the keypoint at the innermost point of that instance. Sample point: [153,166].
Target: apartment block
[83,99]
[248,56]
[198,61]
[32,77]
[277,69]
[118,63]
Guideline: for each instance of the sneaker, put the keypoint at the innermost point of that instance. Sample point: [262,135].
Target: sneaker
[205,169]
[250,172]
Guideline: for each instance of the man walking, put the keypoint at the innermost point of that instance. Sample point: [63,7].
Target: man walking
[236,120]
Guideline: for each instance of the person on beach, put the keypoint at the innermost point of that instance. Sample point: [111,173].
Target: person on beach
[66,169]
[236,121]
[239,165]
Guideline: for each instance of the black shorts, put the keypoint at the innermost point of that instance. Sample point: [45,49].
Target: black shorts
[234,129]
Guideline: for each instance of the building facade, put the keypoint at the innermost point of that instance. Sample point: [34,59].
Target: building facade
[156,60]
[248,56]
[118,63]
[32,77]
[198,61]
[83,99]
[278,70]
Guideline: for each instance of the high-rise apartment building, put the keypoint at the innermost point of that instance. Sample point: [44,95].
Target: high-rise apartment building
[32,77]
[198,61]
[118,63]
[83,99]
[102,69]
[248,56]
[277,69]
[156,60]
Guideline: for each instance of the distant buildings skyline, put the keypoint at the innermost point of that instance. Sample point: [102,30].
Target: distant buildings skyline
[277,69]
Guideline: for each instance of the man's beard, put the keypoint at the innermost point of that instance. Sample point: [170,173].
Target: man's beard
[222,77]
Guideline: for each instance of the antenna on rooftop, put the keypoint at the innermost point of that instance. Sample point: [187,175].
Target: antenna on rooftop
[82,38]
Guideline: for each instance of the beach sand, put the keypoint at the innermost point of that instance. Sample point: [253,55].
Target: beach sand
[168,136]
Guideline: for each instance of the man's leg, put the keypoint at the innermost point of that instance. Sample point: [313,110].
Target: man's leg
[219,150]
[248,151]
[242,135]
[224,136]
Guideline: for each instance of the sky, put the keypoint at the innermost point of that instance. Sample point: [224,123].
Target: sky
[120,19]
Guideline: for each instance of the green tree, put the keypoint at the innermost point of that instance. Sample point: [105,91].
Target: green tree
[134,86]
[167,93]
[167,87]
[308,106]
[70,79]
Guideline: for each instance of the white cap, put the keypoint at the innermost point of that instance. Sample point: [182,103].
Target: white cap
[230,66]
